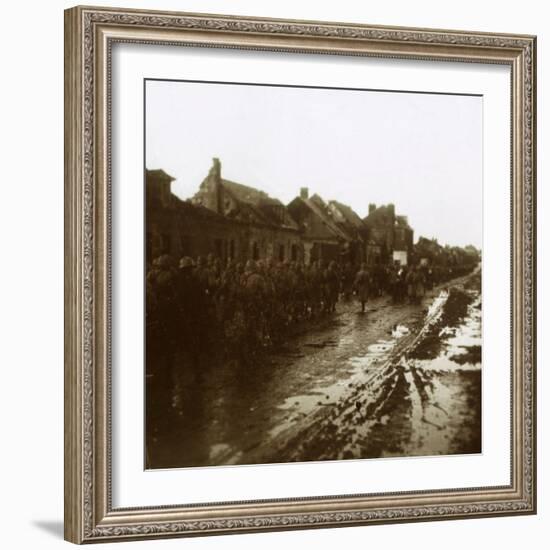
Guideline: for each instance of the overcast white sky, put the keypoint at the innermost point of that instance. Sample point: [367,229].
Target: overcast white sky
[422,152]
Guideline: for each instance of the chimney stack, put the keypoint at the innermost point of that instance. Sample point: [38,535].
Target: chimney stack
[216,178]
[304,192]
[216,167]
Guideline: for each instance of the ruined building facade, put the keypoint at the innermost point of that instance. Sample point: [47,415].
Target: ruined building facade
[388,236]
[328,234]
[237,222]
[229,220]
[180,228]
[266,229]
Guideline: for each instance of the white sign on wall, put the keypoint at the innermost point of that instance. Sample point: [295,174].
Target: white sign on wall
[400,256]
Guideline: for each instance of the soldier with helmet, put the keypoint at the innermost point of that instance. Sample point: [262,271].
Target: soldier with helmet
[362,286]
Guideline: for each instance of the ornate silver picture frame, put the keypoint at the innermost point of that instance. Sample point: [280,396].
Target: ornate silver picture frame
[90,35]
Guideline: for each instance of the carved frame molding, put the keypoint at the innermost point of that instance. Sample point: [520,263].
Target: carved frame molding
[89,35]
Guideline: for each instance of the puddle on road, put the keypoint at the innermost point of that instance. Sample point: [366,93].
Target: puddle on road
[307,402]
[218,450]
[469,333]
[438,302]
[444,363]
[444,391]
[379,350]
[381,347]
[375,353]
[427,406]
[299,406]
[400,330]
[461,349]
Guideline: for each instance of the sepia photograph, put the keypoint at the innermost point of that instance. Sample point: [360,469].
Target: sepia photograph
[312,273]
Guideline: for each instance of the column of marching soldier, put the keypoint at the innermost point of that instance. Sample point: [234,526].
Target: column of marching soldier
[238,308]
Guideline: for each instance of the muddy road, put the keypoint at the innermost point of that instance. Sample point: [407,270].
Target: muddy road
[400,380]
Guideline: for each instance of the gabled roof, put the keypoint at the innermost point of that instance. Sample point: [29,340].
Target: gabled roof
[316,205]
[248,204]
[402,221]
[185,207]
[245,193]
[159,174]
[381,213]
[188,208]
[258,205]
[348,214]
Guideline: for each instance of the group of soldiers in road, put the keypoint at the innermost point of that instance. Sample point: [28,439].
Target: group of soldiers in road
[202,304]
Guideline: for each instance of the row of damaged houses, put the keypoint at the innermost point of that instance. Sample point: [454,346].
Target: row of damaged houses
[233,221]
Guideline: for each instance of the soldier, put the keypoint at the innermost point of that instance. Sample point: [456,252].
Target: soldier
[313,282]
[202,273]
[415,285]
[323,288]
[214,288]
[401,284]
[190,306]
[284,291]
[300,294]
[253,286]
[362,285]
[347,281]
[269,312]
[379,279]
[393,282]
[332,284]
[428,275]
[225,295]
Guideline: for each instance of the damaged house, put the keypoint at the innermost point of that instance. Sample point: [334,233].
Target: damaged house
[266,229]
[179,228]
[238,222]
[329,231]
[227,219]
[389,237]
